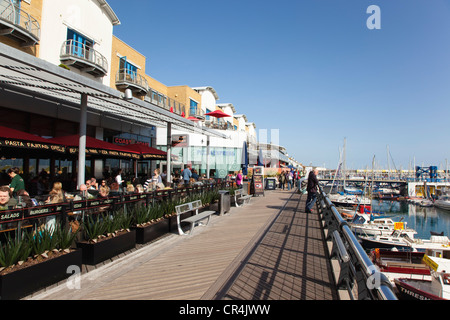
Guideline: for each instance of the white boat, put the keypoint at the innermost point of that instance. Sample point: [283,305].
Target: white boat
[366,225]
[443,202]
[438,288]
[422,202]
[405,242]
[348,200]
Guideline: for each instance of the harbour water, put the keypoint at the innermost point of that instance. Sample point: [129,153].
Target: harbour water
[422,219]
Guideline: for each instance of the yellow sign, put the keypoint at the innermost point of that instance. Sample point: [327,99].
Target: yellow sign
[433,265]
[399,226]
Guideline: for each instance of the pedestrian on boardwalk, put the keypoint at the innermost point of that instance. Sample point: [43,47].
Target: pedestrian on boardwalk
[239,179]
[282,179]
[312,190]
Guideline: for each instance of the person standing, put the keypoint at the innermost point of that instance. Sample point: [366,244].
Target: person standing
[239,179]
[282,179]
[118,179]
[17,182]
[312,190]
[187,174]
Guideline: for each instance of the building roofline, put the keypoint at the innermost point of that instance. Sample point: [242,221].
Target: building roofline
[207,88]
[111,14]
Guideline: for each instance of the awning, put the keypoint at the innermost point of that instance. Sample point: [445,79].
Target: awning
[96,147]
[146,152]
[19,139]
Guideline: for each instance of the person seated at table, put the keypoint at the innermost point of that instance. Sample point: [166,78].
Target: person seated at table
[94,184]
[6,199]
[139,188]
[130,188]
[103,192]
[56,194]
[25,198]
[84,194]
[114,189]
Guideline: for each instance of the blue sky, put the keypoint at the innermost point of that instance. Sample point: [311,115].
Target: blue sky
[312,69]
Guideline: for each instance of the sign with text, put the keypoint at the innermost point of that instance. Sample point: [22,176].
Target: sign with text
[258,184]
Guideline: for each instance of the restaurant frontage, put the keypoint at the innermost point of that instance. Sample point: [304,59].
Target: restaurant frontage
[49,102]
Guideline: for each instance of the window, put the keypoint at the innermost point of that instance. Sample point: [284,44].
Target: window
[79,45]
[193,107]
[208,111]
[127,67]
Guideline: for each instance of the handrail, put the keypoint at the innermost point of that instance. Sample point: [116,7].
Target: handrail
[78,49]
[356,266]
[17,16]
[127,76]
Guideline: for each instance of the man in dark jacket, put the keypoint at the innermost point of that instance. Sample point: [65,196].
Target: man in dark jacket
[312,190]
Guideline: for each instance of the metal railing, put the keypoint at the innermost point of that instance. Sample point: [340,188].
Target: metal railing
[127,77]
[358,276]
[20,18]
[163,101]
[75,49]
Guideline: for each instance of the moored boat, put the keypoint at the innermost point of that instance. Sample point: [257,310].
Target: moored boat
[405,242]
[438,288]
[400,264]
[443,202]
[367,225]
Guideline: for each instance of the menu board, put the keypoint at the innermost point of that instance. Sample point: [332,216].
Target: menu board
[258,184]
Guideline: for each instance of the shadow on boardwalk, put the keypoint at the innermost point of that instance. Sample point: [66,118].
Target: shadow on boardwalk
[288,261]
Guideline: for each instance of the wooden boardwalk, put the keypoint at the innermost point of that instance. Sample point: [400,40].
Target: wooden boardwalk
[267,250]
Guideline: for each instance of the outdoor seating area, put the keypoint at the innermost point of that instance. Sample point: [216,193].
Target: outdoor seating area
[91,230]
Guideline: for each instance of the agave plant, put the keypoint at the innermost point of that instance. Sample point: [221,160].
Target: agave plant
[94,228]
[41,241]
[12,251]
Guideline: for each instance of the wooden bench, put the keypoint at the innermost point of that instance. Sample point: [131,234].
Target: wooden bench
[240,196]
[191,206]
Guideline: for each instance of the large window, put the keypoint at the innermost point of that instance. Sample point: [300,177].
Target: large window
[80,45]
[127,67]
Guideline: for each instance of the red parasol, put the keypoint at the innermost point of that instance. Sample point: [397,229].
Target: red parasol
[217,114]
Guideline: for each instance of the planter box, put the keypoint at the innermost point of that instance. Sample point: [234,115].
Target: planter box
[21,283]
[94,253]
[173,221]
[151,232]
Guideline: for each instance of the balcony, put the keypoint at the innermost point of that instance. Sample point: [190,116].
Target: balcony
[18,24]
[165,102]
[197,112]
[85,58]
[126,79]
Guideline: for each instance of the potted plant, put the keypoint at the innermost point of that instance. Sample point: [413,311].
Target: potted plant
[149,222]
[35,261]
[105,236]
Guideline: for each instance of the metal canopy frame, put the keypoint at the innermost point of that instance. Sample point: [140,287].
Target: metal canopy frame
[26,74]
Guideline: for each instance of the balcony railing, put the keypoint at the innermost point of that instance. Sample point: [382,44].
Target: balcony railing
[17,23]
[161,100]
[126,79]
[196,112]
[77,54]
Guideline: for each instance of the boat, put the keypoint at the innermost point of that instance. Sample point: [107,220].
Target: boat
[400,264]
[353,190]
[367,225]
[443,202]
[348,200]
[438,288]
[422,202]
[405,242]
